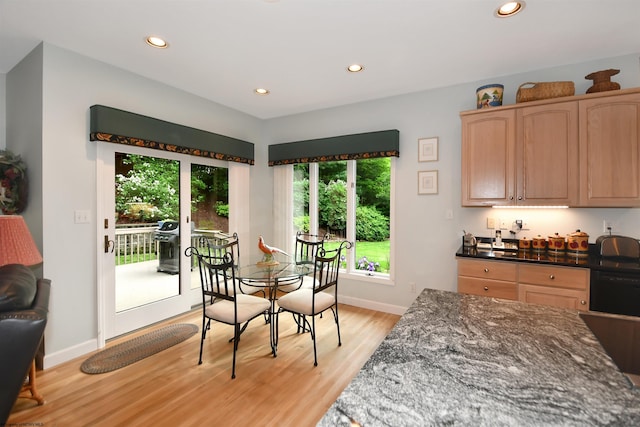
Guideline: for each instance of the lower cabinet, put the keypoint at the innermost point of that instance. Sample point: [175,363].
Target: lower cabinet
[488,278]
[565,287]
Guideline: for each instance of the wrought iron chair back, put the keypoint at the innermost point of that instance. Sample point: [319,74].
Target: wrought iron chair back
[307,303]
[220,300]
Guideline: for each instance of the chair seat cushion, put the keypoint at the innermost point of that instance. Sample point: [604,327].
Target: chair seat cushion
[17,287]
[249,307]
[300,301]
[308,282]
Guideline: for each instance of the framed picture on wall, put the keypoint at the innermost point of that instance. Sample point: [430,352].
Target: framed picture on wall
[428,182]
[428,149]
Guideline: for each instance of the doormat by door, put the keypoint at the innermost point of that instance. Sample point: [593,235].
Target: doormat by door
[138,348]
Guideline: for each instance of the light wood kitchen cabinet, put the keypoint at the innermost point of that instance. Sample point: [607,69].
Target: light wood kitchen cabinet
[487,278]
[547,155]
[488,158]
[565,287]
[580,151]
[523,156]
[610,151]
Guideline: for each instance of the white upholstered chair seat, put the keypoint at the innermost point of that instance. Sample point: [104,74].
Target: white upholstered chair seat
[300,301]
[248,307]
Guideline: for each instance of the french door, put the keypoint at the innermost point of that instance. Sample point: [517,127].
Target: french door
[145,222]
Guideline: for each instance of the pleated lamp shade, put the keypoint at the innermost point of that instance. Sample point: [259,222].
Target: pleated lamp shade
[16,243]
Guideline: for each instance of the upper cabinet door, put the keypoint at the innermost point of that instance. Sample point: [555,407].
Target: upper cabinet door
[488,158]
[547,155]
[610,151]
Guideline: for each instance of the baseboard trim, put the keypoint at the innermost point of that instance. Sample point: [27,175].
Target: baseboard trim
[53,359]
[372,305]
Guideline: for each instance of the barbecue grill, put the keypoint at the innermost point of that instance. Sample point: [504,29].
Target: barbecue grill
[168,238]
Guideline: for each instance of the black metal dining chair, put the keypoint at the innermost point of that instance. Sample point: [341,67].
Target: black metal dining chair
[218,244]
[307,303]
[307,246]
[221,302]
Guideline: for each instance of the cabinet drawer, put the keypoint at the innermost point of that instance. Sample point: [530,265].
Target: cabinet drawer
[487,288]
[556,297]
[559,277]
[494,270]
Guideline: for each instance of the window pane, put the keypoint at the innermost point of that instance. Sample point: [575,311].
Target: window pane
[332,198]
[210,198]
[301,197]
[209,206]
[147,194]
[373,189]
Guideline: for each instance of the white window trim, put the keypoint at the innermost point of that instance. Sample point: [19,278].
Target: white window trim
[285,235]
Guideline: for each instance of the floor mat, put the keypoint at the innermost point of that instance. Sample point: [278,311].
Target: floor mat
[138,348]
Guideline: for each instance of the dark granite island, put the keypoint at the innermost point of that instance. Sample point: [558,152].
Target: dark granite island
[455,359]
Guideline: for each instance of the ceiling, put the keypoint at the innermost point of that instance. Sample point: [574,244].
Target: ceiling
[222,50]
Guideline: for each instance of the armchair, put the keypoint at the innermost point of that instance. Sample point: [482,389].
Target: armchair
[24,303]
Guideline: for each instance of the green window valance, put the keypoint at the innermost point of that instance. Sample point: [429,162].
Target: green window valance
[367,145]
[122,127]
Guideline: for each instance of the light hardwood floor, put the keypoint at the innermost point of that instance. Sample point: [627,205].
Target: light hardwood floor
[170,389]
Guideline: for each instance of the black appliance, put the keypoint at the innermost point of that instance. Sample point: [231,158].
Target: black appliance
[615,277]
[168,237]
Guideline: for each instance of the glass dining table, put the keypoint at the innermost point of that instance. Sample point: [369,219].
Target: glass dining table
[269,277]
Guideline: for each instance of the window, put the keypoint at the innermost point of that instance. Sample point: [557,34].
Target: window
[348,200]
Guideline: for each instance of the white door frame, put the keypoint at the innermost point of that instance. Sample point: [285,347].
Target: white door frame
[135,318]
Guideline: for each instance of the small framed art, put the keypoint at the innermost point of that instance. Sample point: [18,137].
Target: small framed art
[428,149]
[428,182]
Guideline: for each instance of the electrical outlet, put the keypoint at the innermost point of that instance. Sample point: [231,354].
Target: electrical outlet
[525,225]
[491,223]
[448,214]
[412,285]
[608,226]
[504,224]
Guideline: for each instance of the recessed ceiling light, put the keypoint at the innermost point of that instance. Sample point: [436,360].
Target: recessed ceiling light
[262,91]
[157,42]
[509,9]
[355,68]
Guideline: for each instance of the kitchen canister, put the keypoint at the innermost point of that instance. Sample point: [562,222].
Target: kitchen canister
[489,95]
[556,243]
[539,243]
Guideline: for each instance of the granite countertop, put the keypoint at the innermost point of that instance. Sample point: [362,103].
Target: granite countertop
[455,359]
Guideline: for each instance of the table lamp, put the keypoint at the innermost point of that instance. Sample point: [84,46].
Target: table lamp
[16,243]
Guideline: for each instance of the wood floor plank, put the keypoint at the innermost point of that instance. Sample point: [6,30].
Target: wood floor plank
[171,389]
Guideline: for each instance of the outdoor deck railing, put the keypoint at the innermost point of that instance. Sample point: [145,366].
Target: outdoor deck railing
[136,243]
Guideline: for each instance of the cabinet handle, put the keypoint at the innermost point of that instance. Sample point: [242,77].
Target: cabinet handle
[551,276]
[486,288]
[583,302]
[519,197]
[486,270]
[510,197]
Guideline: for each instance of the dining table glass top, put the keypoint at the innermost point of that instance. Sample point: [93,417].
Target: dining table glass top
[269,273]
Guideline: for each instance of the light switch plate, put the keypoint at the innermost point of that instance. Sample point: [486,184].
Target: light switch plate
[81,216]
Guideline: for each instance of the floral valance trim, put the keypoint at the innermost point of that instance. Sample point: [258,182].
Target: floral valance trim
[125,140]
[336,157]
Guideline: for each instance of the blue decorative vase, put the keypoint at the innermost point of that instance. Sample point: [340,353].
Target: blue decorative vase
[489,95]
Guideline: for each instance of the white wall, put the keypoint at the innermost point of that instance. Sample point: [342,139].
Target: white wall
[426,241]
[3,111]
[70,85]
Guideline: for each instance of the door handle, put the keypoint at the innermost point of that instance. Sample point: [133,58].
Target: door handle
[108,244]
